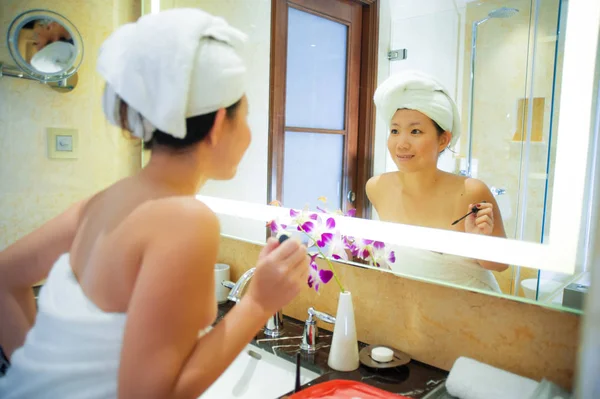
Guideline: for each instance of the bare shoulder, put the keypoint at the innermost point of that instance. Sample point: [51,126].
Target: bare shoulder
[476,187]
[378,185]
[377,181]
[453,179]
[177,207]
[372,182]
[371,186]
[186,215]
[477,191]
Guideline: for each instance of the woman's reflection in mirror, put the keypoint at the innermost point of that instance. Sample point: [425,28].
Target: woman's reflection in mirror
[423,122]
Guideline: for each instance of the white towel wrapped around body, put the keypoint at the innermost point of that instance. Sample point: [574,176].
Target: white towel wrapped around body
[470,379]
[458,270]
[72,351]
[420,92]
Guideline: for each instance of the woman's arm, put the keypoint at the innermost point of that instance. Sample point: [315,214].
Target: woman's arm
[17,314]
[29,259]
[489,217]
[24,263]
[174,299]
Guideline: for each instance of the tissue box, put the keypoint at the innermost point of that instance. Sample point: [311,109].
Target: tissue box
[574,296]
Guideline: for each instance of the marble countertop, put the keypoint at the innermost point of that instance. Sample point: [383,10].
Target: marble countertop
[414,380]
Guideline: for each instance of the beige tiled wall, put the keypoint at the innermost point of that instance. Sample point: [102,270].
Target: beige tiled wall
[437,324]
[34,188]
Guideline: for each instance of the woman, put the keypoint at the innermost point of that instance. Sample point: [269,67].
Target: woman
[122,310]
[423,122]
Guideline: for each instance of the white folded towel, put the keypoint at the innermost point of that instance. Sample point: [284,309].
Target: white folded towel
[420,92]
[173,65]
[470,379]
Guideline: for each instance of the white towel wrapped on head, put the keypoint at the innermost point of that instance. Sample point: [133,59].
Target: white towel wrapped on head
[470,379]
[420,92]
[170,66]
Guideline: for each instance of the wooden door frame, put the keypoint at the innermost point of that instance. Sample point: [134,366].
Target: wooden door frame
[366,108]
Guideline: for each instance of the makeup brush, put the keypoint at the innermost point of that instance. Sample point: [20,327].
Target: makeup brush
[473,210]
[298,385]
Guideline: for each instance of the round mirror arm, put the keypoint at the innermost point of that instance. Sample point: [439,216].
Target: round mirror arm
[13,72]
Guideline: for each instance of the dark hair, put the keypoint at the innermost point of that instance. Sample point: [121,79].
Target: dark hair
[438,128]
[62,39]
[197,128]
[30,24]
[441,131]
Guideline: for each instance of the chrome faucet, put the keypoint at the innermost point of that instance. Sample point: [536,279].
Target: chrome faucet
[237,289]
[274,326]
[311,331]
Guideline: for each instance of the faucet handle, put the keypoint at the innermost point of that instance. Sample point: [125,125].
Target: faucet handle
[497,191]
[228,284]
[311,331]
[327,318]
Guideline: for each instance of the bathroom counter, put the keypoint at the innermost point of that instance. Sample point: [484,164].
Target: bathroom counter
[414,380]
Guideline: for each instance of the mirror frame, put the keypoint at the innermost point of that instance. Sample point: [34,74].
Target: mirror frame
[12,43]
[559,254]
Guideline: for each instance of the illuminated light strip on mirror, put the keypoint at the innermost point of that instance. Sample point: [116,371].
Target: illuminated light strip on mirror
[574,125]
[154,6]
[438,240]
[574,128]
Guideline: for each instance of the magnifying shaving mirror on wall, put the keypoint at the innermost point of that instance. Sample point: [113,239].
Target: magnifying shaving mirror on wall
[45,46]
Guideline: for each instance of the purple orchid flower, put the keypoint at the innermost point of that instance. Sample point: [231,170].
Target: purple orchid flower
[337,248]
[376,253]
[317,277]
[304,220]
[276,227]
[326,234]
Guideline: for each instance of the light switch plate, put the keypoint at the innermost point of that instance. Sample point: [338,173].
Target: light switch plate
[63,143]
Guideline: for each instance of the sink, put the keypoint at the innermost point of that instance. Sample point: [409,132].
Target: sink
[439,393]
[256,373]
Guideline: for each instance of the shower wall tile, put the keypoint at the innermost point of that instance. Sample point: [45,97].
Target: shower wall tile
[503,48]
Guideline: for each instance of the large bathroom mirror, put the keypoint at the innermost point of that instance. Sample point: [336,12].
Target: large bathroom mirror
[501,61]
[45,46]
[317,138]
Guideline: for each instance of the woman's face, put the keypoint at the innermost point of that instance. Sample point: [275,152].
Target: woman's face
[232,143]
[45,34]
[414,142]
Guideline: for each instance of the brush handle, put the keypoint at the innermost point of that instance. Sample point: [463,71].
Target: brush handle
[474,209]
[297,389]
[458,220]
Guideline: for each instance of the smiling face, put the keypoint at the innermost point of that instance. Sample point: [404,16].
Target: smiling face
[45,33]
[415,141]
